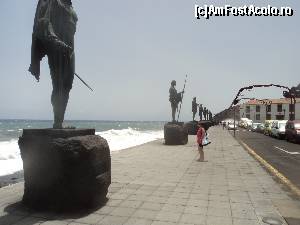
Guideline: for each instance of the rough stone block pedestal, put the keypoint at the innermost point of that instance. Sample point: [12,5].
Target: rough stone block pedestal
[192,127]
[175,133]
[64,169]
[206,124]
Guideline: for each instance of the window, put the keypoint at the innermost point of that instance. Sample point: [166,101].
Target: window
[279,117]
[248,109]
[248,116]
[268,108]
[268,117]
[257,117]
[258,108]
[279,108]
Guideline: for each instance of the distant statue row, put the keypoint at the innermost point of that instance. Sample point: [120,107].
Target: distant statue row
[176,97]
[204,113]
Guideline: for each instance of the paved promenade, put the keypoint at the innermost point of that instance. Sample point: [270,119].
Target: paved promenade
[154,184]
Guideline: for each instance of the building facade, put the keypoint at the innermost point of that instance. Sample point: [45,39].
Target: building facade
[272,109]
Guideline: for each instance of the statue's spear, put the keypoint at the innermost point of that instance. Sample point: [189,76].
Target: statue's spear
[182,97]
[83,81]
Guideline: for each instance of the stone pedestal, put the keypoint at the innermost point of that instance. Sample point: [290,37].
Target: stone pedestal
[175,133]
[192,127]
[206,124]
[64,169]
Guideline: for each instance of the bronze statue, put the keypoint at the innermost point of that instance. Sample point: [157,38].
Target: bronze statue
[174,99]
[200,111]
[210,115]
[53,35]
[205,113]
[194,107]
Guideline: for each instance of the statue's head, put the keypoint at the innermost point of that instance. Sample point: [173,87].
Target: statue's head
[194,98]
[173,83]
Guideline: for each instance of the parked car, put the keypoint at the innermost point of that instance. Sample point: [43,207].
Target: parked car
[230,126]
[260,128]
[292,130]
[278,129]
[272,125]
[254,126]
[267,129]
[245,123]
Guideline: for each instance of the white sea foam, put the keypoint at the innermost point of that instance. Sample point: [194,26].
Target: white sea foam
[126,138]
[10,158]
[11,162]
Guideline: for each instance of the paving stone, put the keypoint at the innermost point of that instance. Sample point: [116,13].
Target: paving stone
[152,206]
[156,199]
[168,216]
[199,196]
[122,211]
[138,221]
[75,223]
[162,223]
[120,196]
[193,219]
[225,212]
[113,202]
[217,220]
[195,210]
[131,203]
[245,222]
[105,210]
[244,214]
[113,220]
[29,221]
[90,219]
[197,203]
[145,214]
[173,208]
[217,204]
[54,222]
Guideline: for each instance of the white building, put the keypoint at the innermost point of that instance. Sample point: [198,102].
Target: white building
[276,109]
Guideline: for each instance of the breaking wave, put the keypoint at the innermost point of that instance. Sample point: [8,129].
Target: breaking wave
[10,157]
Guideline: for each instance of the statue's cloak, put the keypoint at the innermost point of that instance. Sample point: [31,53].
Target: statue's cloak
[54,27]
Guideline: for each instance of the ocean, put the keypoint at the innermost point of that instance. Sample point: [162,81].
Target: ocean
[119,135]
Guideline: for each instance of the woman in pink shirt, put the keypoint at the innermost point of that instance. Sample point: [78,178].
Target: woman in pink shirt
[200,137]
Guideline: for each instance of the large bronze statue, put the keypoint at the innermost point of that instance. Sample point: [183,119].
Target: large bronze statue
[194,107]
[174,99]
[200,111]
[53,35]
[210,115]
[205,113]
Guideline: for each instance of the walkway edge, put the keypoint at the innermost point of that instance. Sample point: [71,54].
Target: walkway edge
[272,170]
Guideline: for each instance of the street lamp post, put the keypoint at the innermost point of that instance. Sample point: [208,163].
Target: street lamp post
[234,121]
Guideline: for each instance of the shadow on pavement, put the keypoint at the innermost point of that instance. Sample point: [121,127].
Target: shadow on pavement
[17,213]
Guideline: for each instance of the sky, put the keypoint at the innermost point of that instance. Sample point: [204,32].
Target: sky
[130,51]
